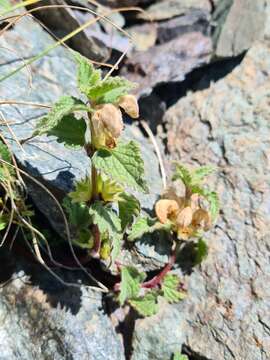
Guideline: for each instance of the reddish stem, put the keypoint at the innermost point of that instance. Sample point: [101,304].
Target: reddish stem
[158,278]
[97,243]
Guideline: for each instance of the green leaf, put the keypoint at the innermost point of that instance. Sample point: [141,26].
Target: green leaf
[179,356]
[129,207]
[213,199]
[122,164]
[82,192]
[5,170]
[110,90]
[146,305]
[105,218]
[170,287]
[199,174]
[66,105]
[131,280]
[201,250]
[183,174]
[116,247]
[146,225]
[3,222]
[78,213]
[70,131]
[87,75]
[84,239]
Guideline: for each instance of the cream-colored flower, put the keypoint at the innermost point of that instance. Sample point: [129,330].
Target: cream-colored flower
[130,105]
[166,210]
[184,217]
[107,125]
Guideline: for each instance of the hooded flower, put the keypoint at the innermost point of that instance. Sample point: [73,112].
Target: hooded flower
[107,121]
[185,214]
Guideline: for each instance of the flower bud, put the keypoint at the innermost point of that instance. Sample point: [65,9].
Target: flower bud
[165,209]
[130,105]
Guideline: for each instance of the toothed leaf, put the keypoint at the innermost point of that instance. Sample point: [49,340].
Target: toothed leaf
[87,75]
[170,287]
[146,305]
[105,218]
[110,90]
[82,192]
[66,105]
[131,279]
[129,207]
[122,164]
[70,131]
[146,225]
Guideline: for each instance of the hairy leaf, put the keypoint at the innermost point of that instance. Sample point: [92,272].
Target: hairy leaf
[78,213]
[201,250]
[108,189]
[110,90]
[146,305]
[105,218]
[64,106]
[146,225]
[129,207]
[84,239]
[82,192]
[87,75]
[122,164]
[131,279]
[199,174]
[170,287]
[183,174]
[70,131]
[211,197]
[178,356]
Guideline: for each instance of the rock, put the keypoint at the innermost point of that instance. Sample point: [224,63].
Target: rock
[168,62]
[44,158]
[246,22]
[226,312]
[64,20]
[166,9]
[47,320]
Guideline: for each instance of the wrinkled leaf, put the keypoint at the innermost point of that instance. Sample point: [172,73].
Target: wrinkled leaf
[170,287]
[87,75]
[131,279]
[110,90]
[129,207]
[70,131]
[122,164]
[105,218]
[66,105]
[82,192]
[146,225]
[201,173]
[146,305]
[78,213]
[201,250]
[179,356]
[183,174]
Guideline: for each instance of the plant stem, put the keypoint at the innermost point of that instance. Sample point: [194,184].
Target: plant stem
[156,280]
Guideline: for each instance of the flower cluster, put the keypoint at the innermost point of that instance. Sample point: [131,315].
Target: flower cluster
[186,214]
[107,121]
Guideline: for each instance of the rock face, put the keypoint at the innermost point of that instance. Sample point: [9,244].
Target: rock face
[247,21]
[52,321]
[226,313]
[44,158]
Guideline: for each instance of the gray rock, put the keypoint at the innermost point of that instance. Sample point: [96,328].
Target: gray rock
[246,22]
[226,312]
[44,158]
[166,9]
[168,62]
[50,321]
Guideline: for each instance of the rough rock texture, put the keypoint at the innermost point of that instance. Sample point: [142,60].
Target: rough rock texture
[167,62]
[43,157]
[246,22]
[166,9]
[51,321]
[226,313]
